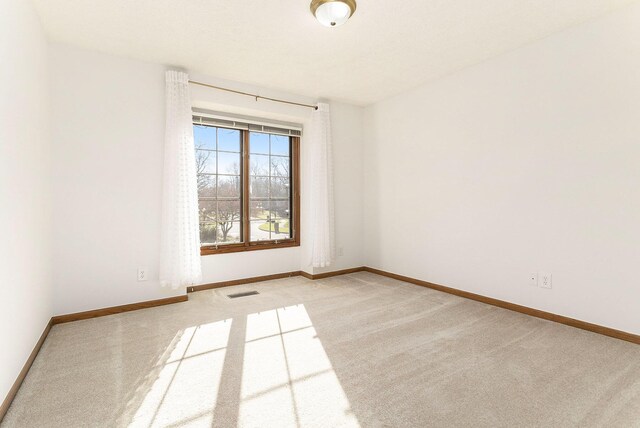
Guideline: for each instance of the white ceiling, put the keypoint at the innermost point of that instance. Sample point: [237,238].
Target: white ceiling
[385,48]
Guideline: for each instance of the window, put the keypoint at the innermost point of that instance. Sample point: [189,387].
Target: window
[247,189]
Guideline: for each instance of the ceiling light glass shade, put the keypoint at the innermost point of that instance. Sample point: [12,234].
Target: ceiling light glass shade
[332,13]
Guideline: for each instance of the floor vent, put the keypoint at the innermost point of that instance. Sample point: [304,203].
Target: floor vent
[246,293]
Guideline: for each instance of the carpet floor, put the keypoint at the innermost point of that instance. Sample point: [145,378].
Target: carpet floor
[354,350]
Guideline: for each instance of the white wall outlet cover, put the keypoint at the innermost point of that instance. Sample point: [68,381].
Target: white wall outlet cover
[545,280]
[340,251]
[142,274]
[533,279]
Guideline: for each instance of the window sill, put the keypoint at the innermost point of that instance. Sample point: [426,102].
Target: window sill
[254,246]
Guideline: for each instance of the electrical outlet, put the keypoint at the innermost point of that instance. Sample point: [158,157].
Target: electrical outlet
[533,279]
[545,280]
[340,251]
[142,274]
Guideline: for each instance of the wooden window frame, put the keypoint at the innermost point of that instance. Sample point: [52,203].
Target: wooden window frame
[294,217]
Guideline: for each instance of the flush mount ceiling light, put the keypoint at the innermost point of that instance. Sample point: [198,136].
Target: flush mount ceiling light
[332,13]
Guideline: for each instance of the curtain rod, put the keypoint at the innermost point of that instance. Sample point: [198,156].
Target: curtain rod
[257,97]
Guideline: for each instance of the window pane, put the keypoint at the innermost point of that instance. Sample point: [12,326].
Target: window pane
[207,234]
[207,211]
[204,137]
[259,187]
[280,209]
[259,210]
[229,140]
[229,233]
[222,216]
[228,211]
[280,214]
[260,230]
[259,143]
[279,145]
[279,166]
[205,161]
[229,163]
[206,186]
[279,187]
[270,229]
[280,229]
[228,187]
[259,165]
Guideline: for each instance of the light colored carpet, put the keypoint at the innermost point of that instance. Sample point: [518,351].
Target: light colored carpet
[356,350]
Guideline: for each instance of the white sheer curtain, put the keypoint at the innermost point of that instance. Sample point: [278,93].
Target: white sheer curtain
[322,221]
[180,246]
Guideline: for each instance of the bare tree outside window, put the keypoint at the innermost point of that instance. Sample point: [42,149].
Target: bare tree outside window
[228,212]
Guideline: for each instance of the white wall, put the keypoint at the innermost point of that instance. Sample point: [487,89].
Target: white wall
[107,130]
[108,127]
[528,162]
[25,279]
